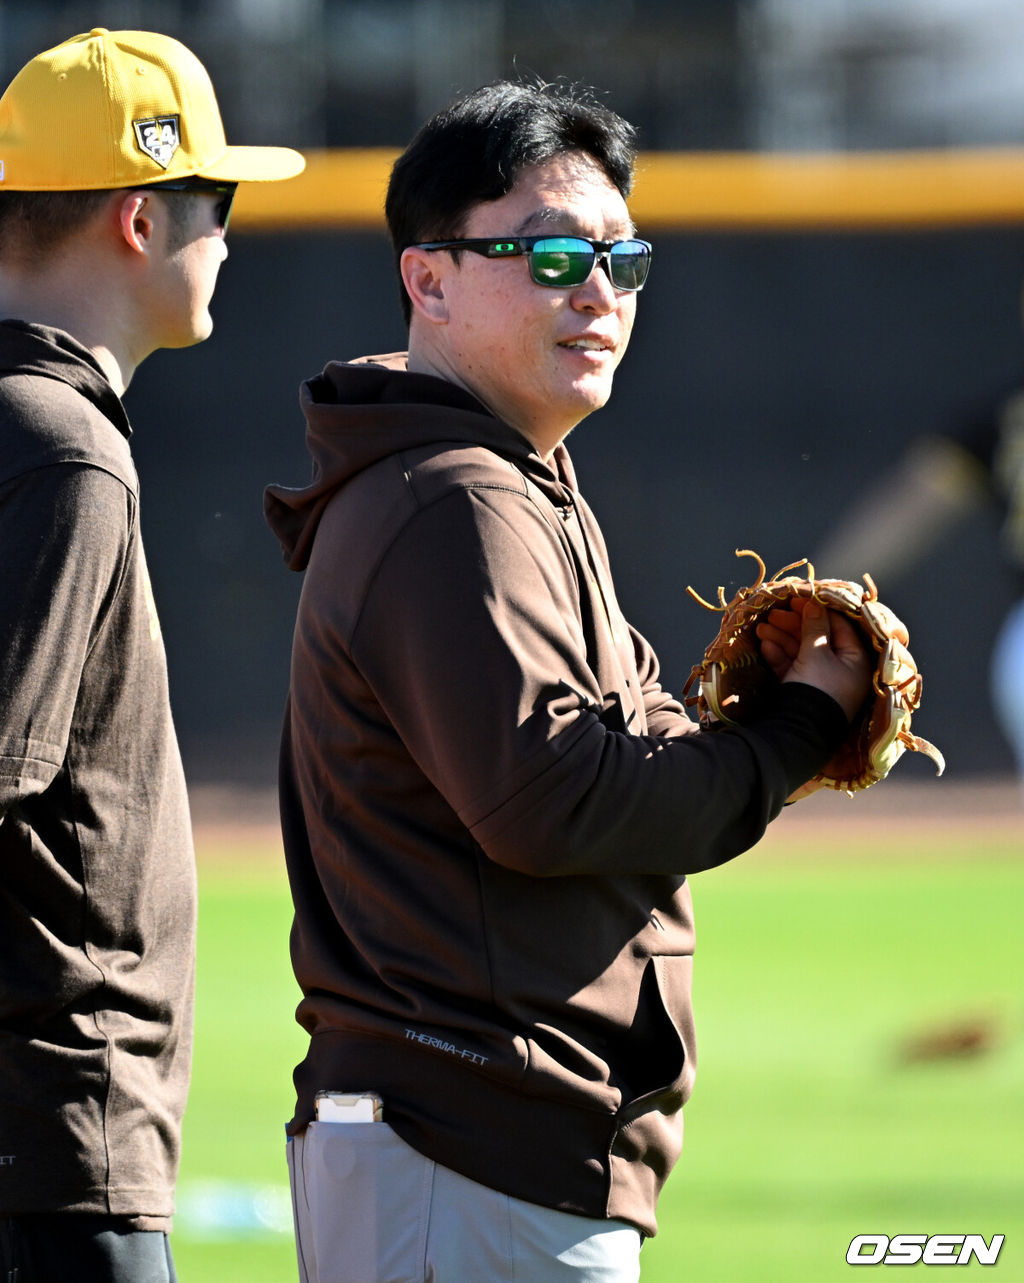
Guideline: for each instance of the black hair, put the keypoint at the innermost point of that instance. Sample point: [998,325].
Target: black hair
[35,224]
[474,150]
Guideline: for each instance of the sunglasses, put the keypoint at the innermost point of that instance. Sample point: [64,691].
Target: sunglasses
[565,261]
[206,186]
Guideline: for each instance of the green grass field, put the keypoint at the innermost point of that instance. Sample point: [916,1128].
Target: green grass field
[810,1123]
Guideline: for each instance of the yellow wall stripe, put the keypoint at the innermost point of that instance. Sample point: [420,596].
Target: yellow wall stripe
[702,191]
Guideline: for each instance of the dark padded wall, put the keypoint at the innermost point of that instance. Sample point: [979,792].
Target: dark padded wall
[771,380]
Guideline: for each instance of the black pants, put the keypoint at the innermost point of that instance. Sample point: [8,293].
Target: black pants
[72,1247]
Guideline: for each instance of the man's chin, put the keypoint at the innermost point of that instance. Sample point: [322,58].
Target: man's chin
[593,394]
[199,333]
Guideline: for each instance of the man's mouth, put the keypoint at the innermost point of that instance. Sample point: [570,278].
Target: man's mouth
[587,345]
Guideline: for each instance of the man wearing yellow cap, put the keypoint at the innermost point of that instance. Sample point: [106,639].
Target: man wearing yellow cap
[115,187]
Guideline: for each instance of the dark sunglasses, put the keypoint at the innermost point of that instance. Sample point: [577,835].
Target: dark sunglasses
[565,261]
[207,186]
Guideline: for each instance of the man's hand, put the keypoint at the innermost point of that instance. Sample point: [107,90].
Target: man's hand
[831,634]
[808,643]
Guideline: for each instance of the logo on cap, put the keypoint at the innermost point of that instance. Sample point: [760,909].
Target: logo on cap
[159,137]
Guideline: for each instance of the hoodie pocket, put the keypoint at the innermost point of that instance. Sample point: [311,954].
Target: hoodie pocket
[662,1059]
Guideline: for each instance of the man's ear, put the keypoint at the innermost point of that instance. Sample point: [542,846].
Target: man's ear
[423,274]
[134,216]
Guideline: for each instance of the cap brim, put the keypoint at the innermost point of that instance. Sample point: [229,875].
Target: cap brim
[254,165]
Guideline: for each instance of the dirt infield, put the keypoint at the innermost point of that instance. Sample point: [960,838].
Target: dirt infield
[970,805]
[232,818]
[246,820]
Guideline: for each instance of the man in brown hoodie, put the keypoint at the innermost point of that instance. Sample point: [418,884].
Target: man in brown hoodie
[489,804]
[115,186]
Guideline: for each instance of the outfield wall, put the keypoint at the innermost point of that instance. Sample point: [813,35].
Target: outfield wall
[781,362]
[703,191]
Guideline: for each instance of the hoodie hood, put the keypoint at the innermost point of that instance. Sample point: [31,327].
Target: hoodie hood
[47,353]
[360,412]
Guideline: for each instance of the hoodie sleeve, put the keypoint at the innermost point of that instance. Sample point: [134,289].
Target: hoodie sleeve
[470,638]
[665,714]
[64,530]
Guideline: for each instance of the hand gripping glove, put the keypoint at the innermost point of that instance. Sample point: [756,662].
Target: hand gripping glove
[734,678]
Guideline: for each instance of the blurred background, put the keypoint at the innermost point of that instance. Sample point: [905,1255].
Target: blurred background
[691,73]
[780,367]
[835,191]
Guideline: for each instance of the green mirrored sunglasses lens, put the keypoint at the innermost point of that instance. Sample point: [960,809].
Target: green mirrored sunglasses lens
[561,260]
[629,263]
[224,209]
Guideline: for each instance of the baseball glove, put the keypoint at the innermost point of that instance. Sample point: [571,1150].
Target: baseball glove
[733,677]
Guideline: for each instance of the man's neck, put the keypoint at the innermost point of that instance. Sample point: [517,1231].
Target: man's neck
[545,439]
[75,309]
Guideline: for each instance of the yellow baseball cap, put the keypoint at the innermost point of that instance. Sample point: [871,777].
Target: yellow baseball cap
[121,109]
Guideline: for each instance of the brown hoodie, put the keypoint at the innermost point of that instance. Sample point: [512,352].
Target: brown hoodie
[97,896]
[490,805]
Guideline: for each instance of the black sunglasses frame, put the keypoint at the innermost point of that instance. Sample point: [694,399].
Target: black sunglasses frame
[518,246]
[199,186]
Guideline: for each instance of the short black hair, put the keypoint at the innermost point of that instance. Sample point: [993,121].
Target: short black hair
[35,224]
[474,150]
